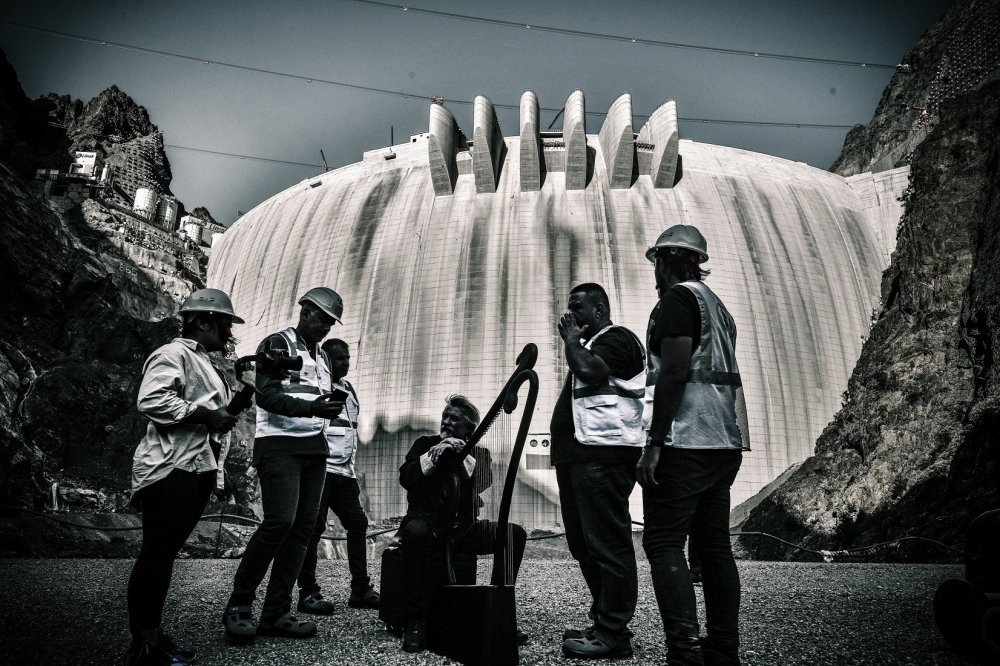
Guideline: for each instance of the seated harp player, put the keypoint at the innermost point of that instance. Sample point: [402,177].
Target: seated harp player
[472,624]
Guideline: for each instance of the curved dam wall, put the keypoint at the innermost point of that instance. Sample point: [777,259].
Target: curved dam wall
[447,270]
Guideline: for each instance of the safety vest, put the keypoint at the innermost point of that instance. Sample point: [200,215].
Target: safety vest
[609,413]
[342,434]
[712,413]
[306,384]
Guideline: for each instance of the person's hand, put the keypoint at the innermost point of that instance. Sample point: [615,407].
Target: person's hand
[569,329]
[226,492]
[455,443]
[327,409]
[645,469]
[220,420]
[439,449]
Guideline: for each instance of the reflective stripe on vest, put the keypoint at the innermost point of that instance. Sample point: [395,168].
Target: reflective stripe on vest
[609,414]
[307,384]
[342,435]
[712,413]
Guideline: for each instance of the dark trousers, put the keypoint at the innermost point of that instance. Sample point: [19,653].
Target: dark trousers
[290,492]
[422,552]
[594,502]
[342,495]
[692,498]
[171,508]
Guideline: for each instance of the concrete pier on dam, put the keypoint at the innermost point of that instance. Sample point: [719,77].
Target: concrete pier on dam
[451,255]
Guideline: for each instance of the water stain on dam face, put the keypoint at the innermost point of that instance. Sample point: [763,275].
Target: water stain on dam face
[366,225]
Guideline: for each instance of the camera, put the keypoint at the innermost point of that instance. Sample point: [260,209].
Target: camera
[273,362]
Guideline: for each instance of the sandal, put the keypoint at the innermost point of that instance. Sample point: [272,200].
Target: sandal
[286,626]
[240,627]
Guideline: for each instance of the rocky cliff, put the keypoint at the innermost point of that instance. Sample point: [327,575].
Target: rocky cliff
[915,450]
[89,293]
[958,54]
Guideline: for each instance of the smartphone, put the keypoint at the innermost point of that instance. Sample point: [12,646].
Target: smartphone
[336,395]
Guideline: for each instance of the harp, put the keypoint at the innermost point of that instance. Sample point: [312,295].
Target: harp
[477,624]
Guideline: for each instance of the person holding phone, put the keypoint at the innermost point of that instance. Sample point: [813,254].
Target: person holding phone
[289,453]
[175,467]
[341,494]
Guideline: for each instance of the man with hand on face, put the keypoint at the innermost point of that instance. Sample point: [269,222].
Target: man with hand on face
[341,494]
[697,436]
[175,467]
[425,474]
[597,437]
[289,453]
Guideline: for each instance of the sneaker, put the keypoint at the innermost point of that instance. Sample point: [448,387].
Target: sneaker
[315,603]
[286,626]
[239,624]
[598,645]
[367,599]
[179,654]
[414,636]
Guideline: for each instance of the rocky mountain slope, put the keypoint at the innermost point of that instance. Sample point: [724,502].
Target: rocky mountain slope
[958,54]
[89,293]
[915,449]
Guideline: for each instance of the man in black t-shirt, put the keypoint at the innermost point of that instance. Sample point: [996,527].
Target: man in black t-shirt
[697,435]
[597,437]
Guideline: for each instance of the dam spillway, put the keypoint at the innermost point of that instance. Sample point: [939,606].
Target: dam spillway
[452,254]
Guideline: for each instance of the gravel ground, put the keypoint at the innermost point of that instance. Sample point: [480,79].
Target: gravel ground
[73,612]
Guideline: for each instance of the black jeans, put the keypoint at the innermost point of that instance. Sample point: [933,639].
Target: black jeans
[692,498]
[290,492]
[170,508]
[421,550]
[594,501]
[342,495]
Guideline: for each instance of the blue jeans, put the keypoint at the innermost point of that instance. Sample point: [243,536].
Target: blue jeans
[692,498]
[594,502]
[290,492]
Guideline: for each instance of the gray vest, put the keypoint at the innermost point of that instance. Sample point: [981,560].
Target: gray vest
[713,413]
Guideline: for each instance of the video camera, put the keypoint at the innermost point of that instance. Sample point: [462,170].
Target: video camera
[273,362]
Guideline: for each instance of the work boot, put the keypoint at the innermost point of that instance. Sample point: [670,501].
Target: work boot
[414,636]
[578,633]
[367,599]
[315,603]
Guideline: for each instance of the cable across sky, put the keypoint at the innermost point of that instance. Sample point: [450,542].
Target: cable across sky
[374,89]
[642,41]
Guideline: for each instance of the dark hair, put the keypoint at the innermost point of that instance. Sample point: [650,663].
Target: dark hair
[335,342]
[684,262]
[594,292]
[465,406]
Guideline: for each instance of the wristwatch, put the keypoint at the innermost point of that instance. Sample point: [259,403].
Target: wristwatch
[655,443]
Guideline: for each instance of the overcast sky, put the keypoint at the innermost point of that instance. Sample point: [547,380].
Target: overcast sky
[223,109]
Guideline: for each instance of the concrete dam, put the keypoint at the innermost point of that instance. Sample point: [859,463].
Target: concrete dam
[451,254]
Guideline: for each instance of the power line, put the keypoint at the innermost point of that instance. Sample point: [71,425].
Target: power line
[242,157]
[383,91]
[623,38]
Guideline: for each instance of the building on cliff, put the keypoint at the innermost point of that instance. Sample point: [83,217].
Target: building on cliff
[453,254]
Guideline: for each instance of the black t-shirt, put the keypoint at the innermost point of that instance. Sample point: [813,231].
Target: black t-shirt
[675,315]
[622,352]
